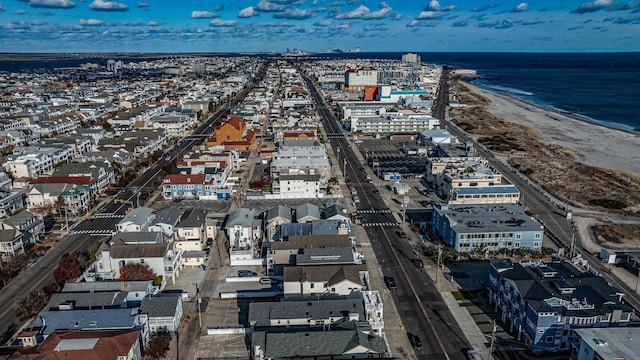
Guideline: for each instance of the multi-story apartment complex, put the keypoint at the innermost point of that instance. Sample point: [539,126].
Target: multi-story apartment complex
[544,303]
[491,227]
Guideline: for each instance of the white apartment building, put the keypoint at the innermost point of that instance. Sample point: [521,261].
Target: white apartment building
[394,123]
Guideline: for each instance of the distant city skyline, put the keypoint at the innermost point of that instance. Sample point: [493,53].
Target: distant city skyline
[316,25]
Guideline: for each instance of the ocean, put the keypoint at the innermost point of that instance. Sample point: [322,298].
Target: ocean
[600,87]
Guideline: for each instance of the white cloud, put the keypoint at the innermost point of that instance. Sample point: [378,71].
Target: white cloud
[248,12]
[521,7]
[592,6]
[364,13]
[294,14]
[202,14]
[142,4]
[430,15]
[154,23]
[269,6]
[107,5]
[54,4]
[434,5]
[220,23]
[323,23]
[92,22]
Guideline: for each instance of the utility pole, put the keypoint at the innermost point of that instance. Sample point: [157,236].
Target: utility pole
[493,336]
[344,168]
[438,265]
[198,305]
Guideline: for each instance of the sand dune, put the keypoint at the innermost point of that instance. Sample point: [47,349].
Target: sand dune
[594,144]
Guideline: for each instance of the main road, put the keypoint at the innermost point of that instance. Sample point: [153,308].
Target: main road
[102,223]
[417,299]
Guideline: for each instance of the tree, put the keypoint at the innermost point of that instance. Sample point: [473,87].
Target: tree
[136,271]
[157,347]
[70,266]
[31,305]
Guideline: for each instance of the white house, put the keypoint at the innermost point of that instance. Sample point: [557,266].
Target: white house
[136,220]
[326,279]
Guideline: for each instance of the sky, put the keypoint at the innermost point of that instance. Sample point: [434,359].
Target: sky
[169,26]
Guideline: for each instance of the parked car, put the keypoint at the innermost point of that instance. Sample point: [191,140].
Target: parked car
[246,273]
[267,280]
[401,234]
[391,283]
[415,341]
[356,199]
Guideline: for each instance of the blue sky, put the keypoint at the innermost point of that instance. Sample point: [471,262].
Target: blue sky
[316,25]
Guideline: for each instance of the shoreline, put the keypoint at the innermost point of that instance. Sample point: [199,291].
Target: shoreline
[566,113]
[593,143]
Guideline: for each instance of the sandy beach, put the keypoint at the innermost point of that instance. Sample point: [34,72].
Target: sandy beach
[594,144]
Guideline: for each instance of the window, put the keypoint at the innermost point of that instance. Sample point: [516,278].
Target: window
[538,235]
[517,245]
[518,236]
[549,339]
[536,244]
[312,285]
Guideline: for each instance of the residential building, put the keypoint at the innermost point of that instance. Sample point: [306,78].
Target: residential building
[307,212]
[77,344]
[243,231]
[274,217]
[165,222]
[190,232]
[233,135]
[137,247]
[10,202]
[284,253]
[88,321]
[542,303]
[393,123]
[347,340]
[163,312]
[301,166]
[28,223]
[491,227]
[313,312]
[605,343]
[134,291]
[327,279]
[102,172]
[136,220]
[297,186]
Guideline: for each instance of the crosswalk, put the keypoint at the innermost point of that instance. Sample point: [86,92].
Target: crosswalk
[374,211]
[93,232]
[380,224]
[335,135]
[107,216]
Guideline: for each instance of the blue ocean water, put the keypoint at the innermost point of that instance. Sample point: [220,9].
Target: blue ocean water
[600,87]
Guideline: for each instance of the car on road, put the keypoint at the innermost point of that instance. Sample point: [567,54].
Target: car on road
[246,273]
[376,191]
[401,234]
[415,341]
[391,283]
[418,263]
[356,199]
[473,355]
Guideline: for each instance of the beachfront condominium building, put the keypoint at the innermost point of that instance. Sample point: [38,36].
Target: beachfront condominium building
[491,227]
[544,303]
[393,123]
